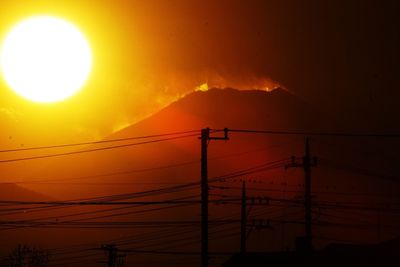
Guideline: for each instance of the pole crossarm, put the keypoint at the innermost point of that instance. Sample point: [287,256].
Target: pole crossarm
[205,139]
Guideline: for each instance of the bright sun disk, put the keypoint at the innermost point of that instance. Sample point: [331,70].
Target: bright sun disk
[45,59]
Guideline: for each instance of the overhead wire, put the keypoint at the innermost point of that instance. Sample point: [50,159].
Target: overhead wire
[306,133]
[149,169]
[93,149]
[259,169]
[96,142]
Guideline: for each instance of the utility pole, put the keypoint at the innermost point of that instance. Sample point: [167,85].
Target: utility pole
[114,258]
[121,260]
[205,138]
[307,196]
[112,254]
[205,135]
[306,165]
[243,220]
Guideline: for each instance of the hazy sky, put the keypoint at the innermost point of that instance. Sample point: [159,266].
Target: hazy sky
[341,56]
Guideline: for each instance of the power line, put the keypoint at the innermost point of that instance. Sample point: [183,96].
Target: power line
[315,192]
[259,168]
[112,224]
[119,241]
[95,142]
[160,191]
[182,253]
[165,190]
[140,194]
[100,203]
[145,237]
[94,149]
[337,134]
[102,216]
[192,240]
[44,181]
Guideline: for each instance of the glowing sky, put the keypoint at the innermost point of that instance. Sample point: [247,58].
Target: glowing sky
[149,53]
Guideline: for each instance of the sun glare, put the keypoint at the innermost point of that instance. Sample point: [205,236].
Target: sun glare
[45,59]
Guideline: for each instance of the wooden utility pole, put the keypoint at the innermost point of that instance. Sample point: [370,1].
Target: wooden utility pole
[243,221]
[306,164]
[205,138]
[114,258]
[307,196]
[205,135]
[112,254]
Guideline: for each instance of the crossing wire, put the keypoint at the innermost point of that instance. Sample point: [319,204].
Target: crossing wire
[40,181]
[335,134]
[96,142]
[94,149]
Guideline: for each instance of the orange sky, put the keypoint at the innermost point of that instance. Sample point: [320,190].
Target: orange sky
[146,55]
[339,56]
[149,53]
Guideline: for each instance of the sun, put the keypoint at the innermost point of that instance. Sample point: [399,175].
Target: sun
[45,59]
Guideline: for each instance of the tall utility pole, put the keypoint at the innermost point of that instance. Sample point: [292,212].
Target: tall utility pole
[205,135]
[243,221]
[306,165]
[112,254]
[205,138]
[307,196]
[114,258]
[120,260]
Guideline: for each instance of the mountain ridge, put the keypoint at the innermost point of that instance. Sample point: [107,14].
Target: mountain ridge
[202,106]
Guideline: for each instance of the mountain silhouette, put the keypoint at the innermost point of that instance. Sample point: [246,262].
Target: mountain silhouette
[217,108]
